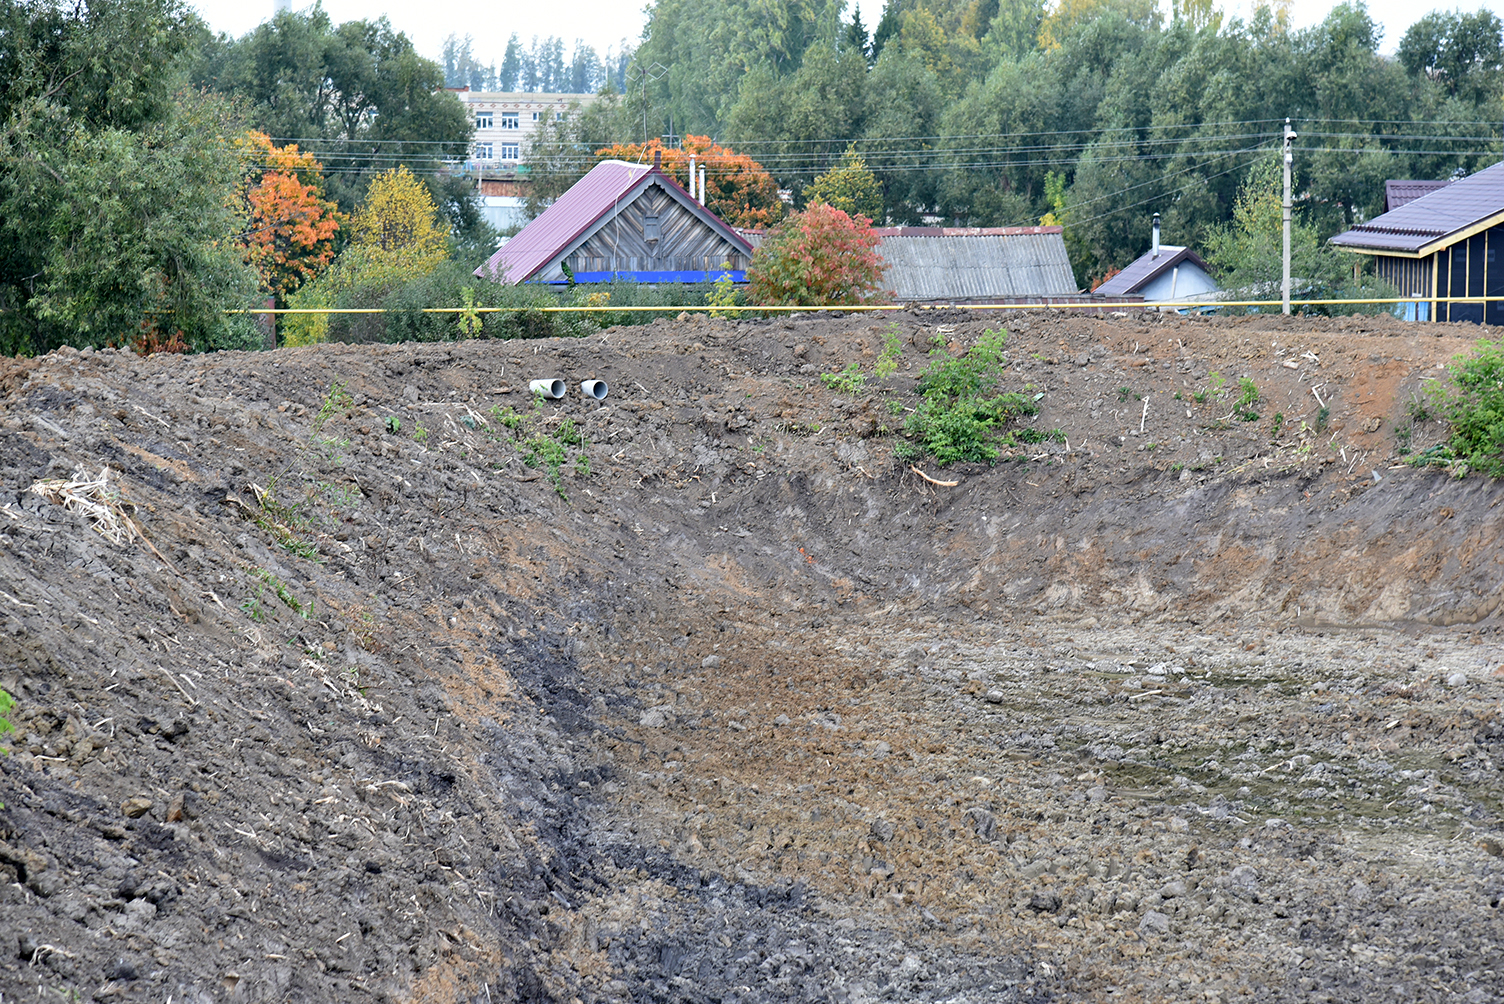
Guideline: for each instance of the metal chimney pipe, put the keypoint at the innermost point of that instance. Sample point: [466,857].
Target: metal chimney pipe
[702,184]
[1156,235]
[657,160]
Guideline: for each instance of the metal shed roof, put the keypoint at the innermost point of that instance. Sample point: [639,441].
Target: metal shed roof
[1435,220]
[1403,191]
[1146,268]
[954,264]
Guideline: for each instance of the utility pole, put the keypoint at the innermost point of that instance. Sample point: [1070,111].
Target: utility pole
[1285,206]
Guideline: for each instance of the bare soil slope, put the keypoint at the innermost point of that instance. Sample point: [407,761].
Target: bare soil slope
[424,693]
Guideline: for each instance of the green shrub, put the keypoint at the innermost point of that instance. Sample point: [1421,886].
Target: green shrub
[6,703]
[961,408]
[1472,403]
[887,361]
[450,284]
[848,381]
[1246,400]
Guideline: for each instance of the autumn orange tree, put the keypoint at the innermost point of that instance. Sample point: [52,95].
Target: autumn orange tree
[289,237]
[737,188]
[820,257]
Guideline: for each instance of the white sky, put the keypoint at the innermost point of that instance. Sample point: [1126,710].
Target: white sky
[604,23]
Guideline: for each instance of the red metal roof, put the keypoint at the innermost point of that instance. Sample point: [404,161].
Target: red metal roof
[597,196]
[553,230]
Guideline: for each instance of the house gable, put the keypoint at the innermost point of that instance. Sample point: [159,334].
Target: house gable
[622,221]
[657,234]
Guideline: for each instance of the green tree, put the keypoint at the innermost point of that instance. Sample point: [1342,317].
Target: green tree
[798,124]
[357,96]
[901,119]
[1247,254]
[118,197]
[849,187]
[1014,29]
[708,46]
[1462,52]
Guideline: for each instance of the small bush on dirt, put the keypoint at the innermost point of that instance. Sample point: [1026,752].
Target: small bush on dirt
[1472,403]
[848,381]
[6,703]
[1246,400]
[887,360]
[961,408]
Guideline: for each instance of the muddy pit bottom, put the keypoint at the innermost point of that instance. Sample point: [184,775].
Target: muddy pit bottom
[1154,814]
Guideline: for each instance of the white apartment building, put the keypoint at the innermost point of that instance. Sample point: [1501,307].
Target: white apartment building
[504,123]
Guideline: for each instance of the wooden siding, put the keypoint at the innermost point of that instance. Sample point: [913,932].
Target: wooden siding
[1411,276]
[686,243]
[1470,267]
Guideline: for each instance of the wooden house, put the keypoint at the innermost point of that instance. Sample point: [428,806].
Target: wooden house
[1442,247]
[622,221]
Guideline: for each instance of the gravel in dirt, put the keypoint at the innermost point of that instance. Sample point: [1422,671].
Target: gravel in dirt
[350,674]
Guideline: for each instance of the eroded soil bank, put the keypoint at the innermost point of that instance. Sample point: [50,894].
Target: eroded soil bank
[425,693]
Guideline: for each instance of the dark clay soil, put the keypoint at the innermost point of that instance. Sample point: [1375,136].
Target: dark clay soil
[420,692]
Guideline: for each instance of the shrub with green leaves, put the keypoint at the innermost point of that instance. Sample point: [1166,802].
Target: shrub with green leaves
[847,381]
[961,407]
[6,703]
[1472,403]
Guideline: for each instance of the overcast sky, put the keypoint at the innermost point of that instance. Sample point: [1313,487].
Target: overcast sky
[604,23]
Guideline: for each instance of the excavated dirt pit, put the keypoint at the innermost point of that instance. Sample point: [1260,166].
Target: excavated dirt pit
[1175,705]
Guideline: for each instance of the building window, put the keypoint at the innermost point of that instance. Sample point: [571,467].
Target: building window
[535,116]
[558,116]
[509,151]
[650,228]
[509,120]
[483,120]
[483,151]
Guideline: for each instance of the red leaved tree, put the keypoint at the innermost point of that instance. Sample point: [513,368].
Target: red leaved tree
[820,257]
[290,226]
[737,188]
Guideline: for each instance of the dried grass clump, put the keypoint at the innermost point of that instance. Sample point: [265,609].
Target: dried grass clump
[93,499]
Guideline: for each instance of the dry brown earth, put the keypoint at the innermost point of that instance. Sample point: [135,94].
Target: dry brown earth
[1183,707]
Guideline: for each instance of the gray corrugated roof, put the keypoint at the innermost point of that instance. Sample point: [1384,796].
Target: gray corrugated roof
[1146,267]
[1433,218]
[977,266]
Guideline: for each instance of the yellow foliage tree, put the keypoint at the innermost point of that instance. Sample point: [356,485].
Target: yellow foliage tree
[396,236]
[1199,13]
[1064,15]
[398,215]
[850,187]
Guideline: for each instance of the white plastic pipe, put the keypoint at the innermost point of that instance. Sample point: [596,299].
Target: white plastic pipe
[597,389]
[548,388]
